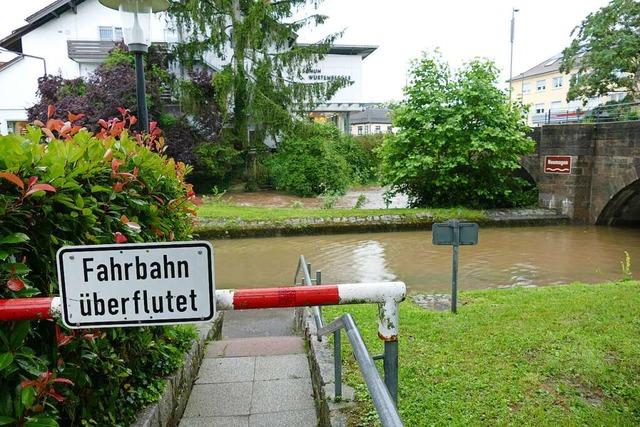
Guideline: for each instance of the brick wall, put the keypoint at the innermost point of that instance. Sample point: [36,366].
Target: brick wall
[602,186]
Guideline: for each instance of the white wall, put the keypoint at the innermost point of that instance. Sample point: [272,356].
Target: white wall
[18,86]
[50,40]
[19,82]
[340,65]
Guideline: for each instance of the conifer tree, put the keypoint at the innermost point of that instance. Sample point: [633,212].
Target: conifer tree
[262,80]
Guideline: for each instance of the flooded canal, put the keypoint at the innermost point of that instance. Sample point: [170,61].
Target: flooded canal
[504,257]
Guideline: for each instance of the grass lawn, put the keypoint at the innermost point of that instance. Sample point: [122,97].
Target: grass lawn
[550,356]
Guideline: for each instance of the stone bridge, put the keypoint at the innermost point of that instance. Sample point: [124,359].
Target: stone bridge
[602,185]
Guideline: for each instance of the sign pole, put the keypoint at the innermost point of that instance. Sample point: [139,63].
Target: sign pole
[454,273]
[454,233]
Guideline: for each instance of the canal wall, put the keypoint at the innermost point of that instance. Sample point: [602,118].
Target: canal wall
[210,228]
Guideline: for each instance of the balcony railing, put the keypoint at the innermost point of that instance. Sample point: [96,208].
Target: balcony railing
[89,50]
[95,50]
[614,112]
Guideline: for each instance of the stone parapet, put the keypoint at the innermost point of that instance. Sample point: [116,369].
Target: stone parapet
[211,229]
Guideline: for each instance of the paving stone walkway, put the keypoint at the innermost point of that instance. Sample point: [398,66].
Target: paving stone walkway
[257,375]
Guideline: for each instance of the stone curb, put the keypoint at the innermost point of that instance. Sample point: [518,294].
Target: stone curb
[212,229]
[168,411]
[330,413]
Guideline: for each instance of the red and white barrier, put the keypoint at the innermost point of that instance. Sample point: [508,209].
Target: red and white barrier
[387,295]
[29,308]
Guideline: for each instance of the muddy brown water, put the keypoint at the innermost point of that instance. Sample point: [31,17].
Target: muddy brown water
[504,257]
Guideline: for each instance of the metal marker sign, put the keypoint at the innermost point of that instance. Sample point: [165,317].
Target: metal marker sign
[454,233]
[557,164]
[136,284]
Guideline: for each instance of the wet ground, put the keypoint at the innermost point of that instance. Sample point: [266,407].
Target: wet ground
[372,197]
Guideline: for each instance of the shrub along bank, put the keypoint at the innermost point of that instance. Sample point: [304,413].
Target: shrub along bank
[549,356]
[78,188]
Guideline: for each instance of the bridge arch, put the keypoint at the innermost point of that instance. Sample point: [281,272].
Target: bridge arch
[530,168]
[623,208]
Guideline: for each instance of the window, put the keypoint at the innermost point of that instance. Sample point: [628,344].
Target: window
[557,82]
[526,87]
[539,109]
[366,129]
[616,96]
[575,78]
[556,105]
[378,129]
[17,127]
[110,33]
[389,129]
[359,130]
[541,85]
[553,60]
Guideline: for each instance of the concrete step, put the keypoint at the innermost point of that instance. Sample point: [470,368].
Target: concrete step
[258,375]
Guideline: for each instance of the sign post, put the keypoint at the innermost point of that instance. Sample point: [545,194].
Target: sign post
[455,233]
[136,284]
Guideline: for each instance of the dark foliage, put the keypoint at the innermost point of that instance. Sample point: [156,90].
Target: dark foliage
[192,134]
[112,85]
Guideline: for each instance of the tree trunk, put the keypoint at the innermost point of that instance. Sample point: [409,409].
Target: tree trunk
[241,128]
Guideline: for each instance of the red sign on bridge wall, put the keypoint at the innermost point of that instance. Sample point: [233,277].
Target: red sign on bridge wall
[557,164]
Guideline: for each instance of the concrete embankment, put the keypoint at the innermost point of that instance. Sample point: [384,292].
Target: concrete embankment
[211,228]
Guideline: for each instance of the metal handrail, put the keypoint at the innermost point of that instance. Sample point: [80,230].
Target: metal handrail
[599,114]
[384,394]
[382,400]
[306,281]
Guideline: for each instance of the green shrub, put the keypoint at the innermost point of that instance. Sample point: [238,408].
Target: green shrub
[309,162]
[360,153]
[219,163]
[460,140]
[79,188]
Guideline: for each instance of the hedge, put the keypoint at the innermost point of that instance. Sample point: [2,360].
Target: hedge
[62,185]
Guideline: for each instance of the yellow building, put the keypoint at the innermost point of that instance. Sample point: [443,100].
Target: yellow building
[544,88]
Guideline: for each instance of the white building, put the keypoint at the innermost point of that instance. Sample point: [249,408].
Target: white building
[68,38]
[72,37]
[372,121]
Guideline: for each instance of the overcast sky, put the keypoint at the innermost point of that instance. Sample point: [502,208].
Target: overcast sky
[461,29]
[402,29]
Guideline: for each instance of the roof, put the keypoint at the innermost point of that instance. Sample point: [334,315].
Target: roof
[551,65]
[348,49]
[8,64]
[371,115]
[44,15]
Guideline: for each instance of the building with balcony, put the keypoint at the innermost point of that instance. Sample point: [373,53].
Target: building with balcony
[544,88]
[71,38]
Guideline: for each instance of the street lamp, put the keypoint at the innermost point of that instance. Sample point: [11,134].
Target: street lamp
[513,27]
[136,27]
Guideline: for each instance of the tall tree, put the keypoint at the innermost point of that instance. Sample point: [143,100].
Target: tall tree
[606,51]
[460,139]
[262,81]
